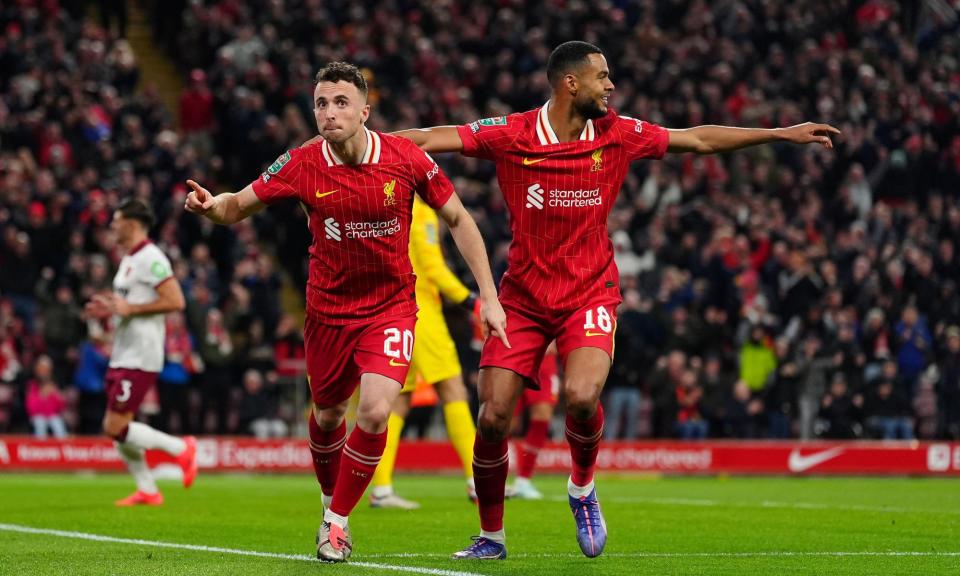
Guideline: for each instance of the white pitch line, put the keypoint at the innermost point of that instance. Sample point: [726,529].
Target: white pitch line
[758,554]
[200,548]
[440,572]
[764,504]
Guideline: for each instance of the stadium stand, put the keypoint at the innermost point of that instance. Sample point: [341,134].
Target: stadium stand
[780,292]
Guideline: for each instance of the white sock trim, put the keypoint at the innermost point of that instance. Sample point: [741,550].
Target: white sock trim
[333,518]
[499,536]
[579,491]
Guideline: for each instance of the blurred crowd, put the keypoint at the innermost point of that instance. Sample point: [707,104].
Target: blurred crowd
[775,292]
[76,136]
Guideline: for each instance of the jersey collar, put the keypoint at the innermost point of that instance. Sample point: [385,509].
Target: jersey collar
[546,135]
[371,154]
[140,246]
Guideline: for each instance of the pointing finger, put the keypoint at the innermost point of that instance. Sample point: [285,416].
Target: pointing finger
[501,332]
[198,189]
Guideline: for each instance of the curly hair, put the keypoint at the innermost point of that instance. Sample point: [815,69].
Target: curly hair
[337,71]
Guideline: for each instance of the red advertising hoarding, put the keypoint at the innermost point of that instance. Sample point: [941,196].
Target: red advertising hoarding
[22,453]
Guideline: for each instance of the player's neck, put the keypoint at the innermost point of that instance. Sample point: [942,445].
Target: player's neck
[134,242]
[352,150]
[566,122]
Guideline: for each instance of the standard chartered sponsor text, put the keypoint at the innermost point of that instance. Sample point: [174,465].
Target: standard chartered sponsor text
[372,229]
[575,198]
[628,458]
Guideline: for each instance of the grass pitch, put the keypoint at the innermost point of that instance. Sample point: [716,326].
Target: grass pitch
[234,525]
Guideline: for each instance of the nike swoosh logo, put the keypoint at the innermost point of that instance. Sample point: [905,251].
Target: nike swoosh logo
[591,333]
[395,363]
[532,161]
[800,463]
[322,194]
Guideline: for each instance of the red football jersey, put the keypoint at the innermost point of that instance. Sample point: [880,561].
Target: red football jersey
[559,196]
[360,220]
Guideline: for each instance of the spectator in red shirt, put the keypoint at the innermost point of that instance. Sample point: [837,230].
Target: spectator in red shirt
[55,150]
[196,113]
[288,349]
[690,423]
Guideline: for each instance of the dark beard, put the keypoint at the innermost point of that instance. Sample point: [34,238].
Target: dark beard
[589,109]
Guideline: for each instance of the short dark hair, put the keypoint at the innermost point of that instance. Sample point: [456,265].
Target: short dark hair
[337,71]
[138,210]
[568,56]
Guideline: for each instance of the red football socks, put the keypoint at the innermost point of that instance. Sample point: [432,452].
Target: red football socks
[360,458]
[326,446]
[584,438]
[530,447]
[490,466]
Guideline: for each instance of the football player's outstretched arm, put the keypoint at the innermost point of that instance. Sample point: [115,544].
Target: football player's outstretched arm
[470,243]
[436,139]
[228,208]
[710,139]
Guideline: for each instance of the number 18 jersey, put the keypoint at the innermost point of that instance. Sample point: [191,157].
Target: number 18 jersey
[559,195]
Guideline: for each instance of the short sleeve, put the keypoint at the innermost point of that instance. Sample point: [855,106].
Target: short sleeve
[489,137]
[431,183]
[643,139]
[281,179]
[158,269]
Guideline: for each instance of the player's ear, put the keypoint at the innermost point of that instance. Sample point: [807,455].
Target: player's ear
[571,83]
[365,113]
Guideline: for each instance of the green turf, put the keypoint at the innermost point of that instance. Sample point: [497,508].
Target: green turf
[657,526]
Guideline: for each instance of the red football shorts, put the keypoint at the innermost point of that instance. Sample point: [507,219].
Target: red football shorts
[530,332]
[338,355]
[126,388]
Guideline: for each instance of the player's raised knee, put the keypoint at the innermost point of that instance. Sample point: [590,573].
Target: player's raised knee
[582,398]
[374,417]
[329,417]
[493,423]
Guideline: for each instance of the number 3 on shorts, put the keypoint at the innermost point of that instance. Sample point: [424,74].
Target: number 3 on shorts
[124,395]
[604,322]
[391,346]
